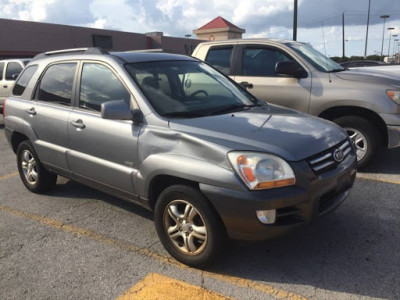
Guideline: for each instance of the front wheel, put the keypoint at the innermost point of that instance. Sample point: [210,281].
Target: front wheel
[188,227]
[365,137]
[34,176]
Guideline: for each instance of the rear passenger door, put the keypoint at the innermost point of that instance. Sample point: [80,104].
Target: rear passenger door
[49,111]
[102,151]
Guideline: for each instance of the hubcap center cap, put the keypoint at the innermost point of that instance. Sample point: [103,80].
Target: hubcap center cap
[186,227]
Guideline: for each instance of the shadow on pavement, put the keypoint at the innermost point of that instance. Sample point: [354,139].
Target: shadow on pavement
[386,161]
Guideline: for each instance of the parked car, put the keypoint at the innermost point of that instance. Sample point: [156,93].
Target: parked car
[174,135]
[9,70]
[293,74]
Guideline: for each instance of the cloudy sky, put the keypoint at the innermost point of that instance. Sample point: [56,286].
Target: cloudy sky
[319,21]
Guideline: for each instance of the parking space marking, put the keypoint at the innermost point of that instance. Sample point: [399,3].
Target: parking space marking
[8,175]
[373,178]
[156,286]
[82,232]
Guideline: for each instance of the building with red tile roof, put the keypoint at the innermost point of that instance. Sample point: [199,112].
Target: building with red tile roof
[219,29]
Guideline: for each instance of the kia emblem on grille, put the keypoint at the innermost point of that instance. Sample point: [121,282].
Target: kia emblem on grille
[338,155]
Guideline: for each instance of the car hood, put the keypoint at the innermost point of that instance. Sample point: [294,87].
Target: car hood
[288,134]
[370,76]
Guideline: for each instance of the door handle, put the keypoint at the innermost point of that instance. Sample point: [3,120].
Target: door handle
[246,85]
[78,124]
[31,111]
[5,86]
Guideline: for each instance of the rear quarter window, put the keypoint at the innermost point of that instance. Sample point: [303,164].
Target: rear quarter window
[24,80]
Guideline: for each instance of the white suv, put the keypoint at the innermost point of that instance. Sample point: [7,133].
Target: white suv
[9,71]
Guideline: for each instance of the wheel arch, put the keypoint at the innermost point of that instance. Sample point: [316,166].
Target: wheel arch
[161,182]
[341,111]
[16,139]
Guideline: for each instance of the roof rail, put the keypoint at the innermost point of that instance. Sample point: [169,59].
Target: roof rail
[92,50]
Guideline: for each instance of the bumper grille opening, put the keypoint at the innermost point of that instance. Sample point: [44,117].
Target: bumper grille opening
[329,159]
[288,216]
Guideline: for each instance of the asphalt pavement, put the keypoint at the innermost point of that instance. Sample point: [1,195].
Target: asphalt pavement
[77,243]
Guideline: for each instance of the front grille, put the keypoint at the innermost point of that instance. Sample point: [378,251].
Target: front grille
[326,160]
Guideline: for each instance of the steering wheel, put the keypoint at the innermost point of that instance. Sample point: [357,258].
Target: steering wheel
[199,92]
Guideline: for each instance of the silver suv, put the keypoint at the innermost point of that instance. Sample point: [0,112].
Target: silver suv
[172,134]
[9,71]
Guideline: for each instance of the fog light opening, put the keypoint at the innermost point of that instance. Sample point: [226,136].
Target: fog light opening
[266,216]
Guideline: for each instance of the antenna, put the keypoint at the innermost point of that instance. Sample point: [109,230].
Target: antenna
[326,57]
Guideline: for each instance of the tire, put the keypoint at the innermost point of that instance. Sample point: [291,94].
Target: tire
[365,137]
[34,176]
[187,225]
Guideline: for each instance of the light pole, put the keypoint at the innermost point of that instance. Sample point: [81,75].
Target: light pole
[394,42]
[295,21]
[366,37]
[384,17]
[390,37]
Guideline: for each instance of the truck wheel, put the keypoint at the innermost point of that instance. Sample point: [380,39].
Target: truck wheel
[34,176]
[365,137]
[188,227]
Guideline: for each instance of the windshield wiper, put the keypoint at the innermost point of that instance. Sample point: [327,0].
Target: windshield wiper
[183,114]
[337,70]
[232,108]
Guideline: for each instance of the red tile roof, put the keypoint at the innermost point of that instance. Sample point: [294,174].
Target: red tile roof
[218,22]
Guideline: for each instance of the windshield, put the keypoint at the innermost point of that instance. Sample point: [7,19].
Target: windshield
[317,59]
[188,89]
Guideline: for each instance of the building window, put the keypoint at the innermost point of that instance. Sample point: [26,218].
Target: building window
[102,41]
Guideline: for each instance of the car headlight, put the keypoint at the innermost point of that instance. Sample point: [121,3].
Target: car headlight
[394,95]
[262,171]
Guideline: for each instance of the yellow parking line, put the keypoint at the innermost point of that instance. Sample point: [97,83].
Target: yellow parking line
[8,175]
[156,286]
[366,177]
[78,231]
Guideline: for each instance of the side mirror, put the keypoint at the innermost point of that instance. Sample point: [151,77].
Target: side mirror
[290,68]
[14,76]
[119,110]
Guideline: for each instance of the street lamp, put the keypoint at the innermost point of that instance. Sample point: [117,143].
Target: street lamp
[384,17]
[390,37]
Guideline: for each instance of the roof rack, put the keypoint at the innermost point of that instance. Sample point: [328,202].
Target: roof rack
[92,50]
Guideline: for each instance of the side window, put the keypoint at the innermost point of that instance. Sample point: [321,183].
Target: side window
[13,68]
[56,84]
[98,85]
[262,61]
[220,58]
[1,70]
[23,81]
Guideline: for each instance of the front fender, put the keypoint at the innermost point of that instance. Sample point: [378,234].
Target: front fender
[185,167]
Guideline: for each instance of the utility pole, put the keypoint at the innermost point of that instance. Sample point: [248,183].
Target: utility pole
[366,38]
[295,21]
[343,57]
[384,17]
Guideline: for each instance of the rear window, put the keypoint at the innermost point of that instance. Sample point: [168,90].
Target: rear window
[13,69]
[220,58]
[56,84]
[23,80]
[1,70]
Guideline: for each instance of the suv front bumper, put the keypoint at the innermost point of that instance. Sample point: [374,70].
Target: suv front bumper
[311,197]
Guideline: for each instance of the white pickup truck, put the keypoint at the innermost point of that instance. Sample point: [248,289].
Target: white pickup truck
[293,74]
